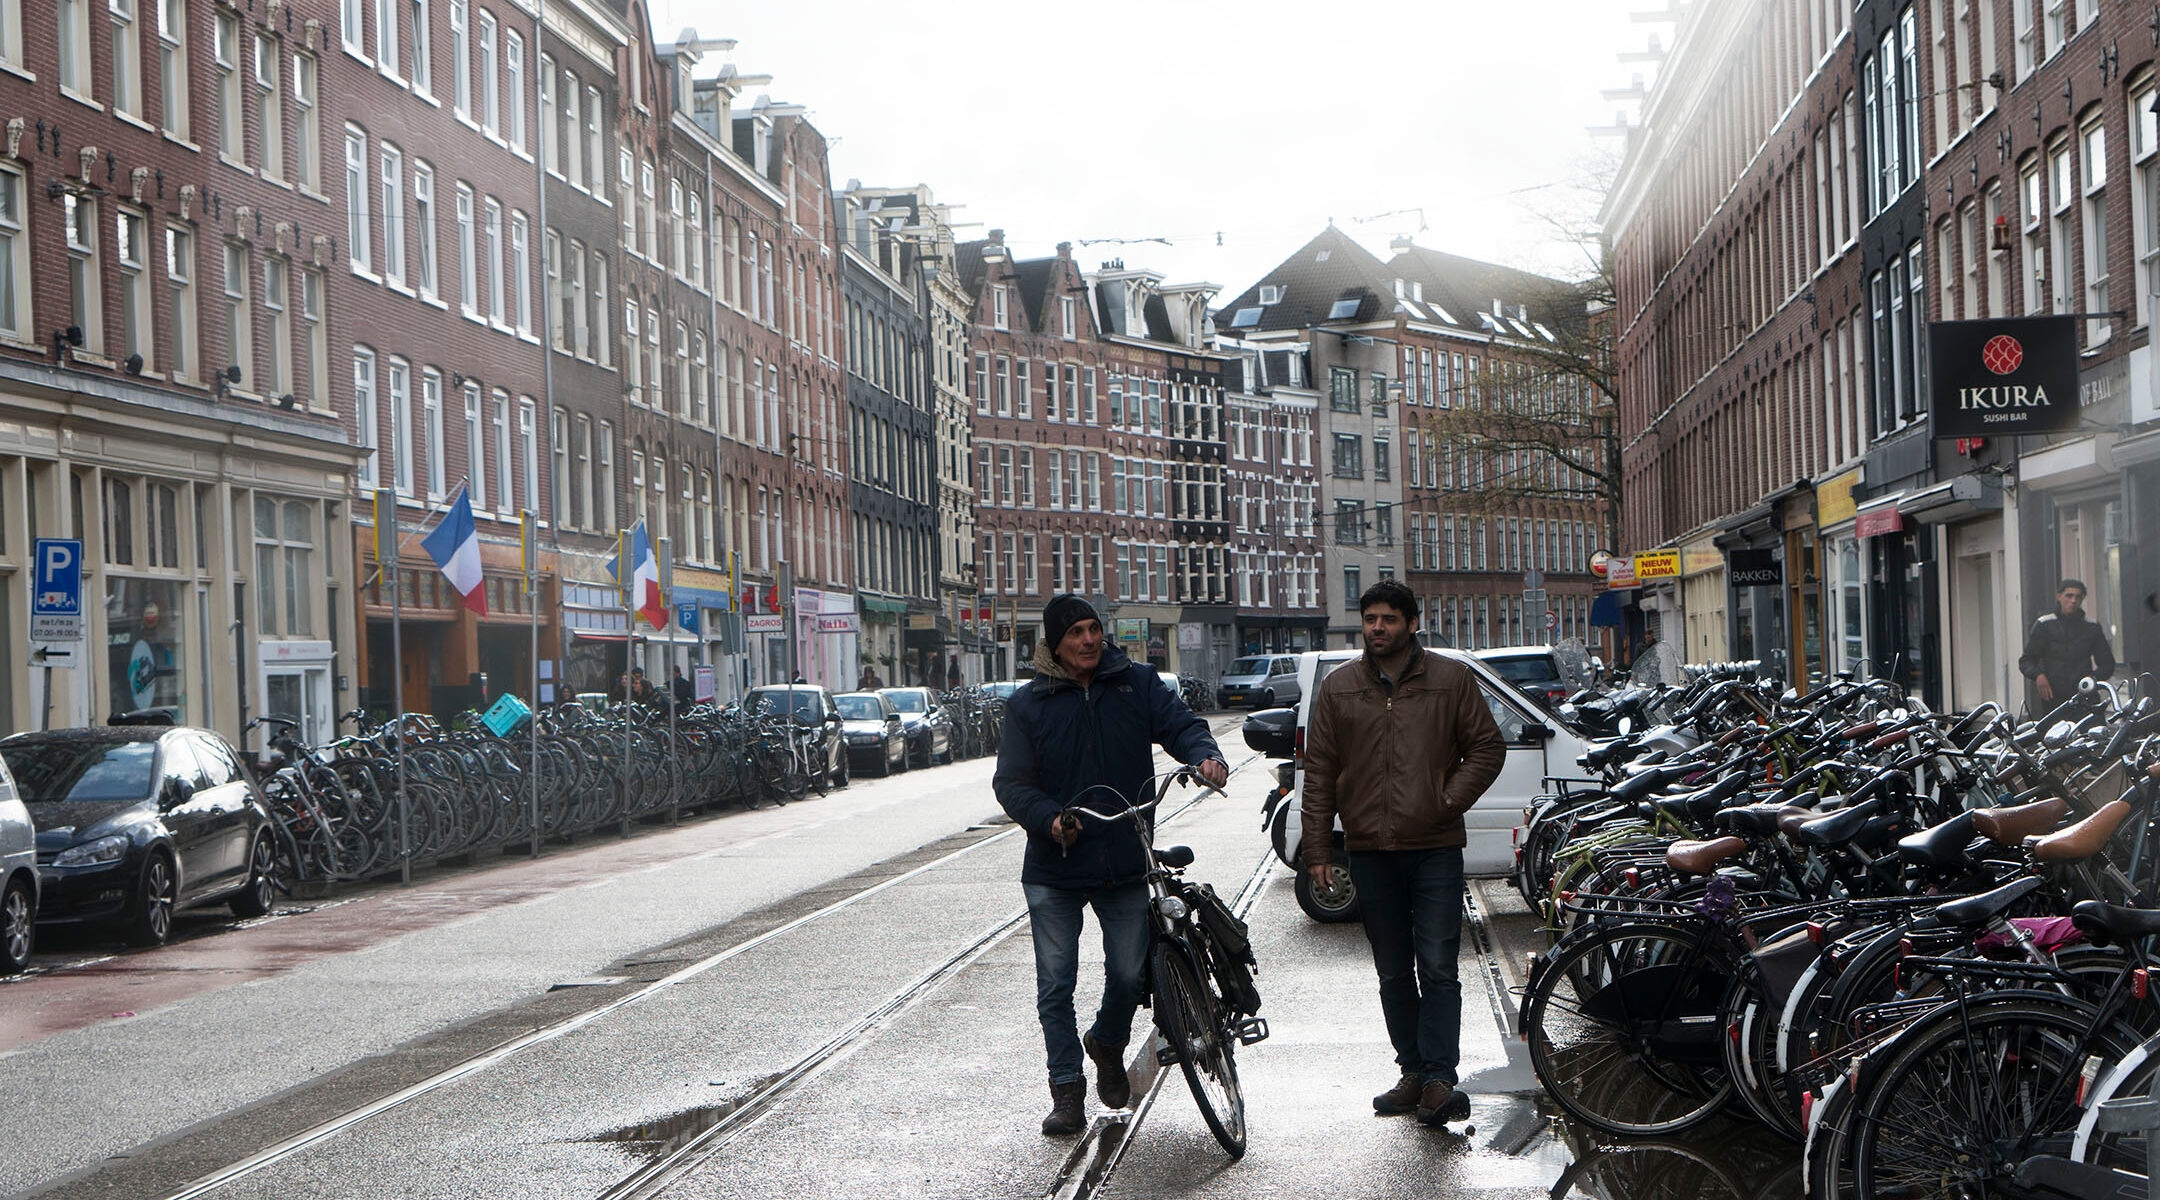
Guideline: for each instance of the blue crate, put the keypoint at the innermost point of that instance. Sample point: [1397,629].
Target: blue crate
[507,716]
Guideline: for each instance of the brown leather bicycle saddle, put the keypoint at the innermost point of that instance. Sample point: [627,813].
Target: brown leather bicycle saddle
[1701,858]
[2082,840]
[2010,826]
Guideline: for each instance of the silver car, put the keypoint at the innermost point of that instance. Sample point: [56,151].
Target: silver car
[1261,681]
[18,878]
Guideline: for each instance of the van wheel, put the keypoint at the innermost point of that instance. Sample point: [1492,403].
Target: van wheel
[1267,699]
[18,927]
[1334,905]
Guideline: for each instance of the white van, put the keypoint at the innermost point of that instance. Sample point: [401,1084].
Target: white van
[1540,747]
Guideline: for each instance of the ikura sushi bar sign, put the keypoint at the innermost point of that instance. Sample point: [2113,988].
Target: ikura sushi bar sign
[2002,377]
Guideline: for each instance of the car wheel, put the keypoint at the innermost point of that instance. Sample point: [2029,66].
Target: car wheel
[18,927]
[156,895]
[254,899]
[1333,905]
[884,762]
[907,755]
[1267,699]
[847,769]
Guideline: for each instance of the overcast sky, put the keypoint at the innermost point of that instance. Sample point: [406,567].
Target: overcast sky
[1254,122]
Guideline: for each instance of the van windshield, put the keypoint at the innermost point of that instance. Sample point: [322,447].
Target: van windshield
[1248,666]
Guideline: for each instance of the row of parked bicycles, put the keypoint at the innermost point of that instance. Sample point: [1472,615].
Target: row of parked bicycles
[1917,943]
[468,790]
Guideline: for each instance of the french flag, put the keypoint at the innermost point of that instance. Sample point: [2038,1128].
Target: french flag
[644,577]
[455,546]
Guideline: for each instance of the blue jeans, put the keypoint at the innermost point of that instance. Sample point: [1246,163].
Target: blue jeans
[1413,902]
[1054,914]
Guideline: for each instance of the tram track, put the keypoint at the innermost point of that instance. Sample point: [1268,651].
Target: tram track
[655,1177]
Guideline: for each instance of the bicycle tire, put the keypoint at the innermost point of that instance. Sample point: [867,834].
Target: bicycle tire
[1189,1017]
[1970,1081]
[1624,1006]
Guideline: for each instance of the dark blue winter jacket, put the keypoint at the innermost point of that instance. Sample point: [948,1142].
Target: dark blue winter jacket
[1059,741]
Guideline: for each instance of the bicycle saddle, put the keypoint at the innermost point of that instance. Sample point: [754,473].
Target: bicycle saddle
[2011,826]
[1759,820]
[1836,828]
[1175,857]
[1632,790]
[1703,804]
[1942,846]
[1978,910]
[1700,858]
[1797,815]
[2094,916]
[2082,840]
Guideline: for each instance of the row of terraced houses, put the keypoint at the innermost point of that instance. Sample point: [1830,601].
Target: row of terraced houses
[278,281]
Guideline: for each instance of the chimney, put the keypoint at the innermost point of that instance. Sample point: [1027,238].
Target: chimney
[1400,242]
[997,237]
[1064,250]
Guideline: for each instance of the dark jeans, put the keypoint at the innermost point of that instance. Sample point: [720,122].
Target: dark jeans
[1413,902]
[1054,914]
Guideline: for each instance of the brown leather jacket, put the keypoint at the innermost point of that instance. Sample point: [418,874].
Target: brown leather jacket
[1402,764]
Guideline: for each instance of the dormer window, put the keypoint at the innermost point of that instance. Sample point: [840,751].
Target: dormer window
[761,147]
[1270,294]
[1000,308]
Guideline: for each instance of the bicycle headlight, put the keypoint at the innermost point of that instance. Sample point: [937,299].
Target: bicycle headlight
[1172,908]
[93,854]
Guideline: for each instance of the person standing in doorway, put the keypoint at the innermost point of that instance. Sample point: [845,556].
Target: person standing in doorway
[2064,647]
[1400,744]
[1083,732]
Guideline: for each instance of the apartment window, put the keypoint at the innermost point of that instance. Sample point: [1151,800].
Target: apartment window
[490,94]
[86,309]
[697,243]
[633,362]
[304,83]
[239,321]
[2063,184]
[2030,189]
[2095,234]
[475,448]
[231,135]
[529,456]
[595,145]
[468,253]
[514,80]
[494,263]
[269,109]
[604,347]
[423,190]
[431,433]
[1349,456]
[682,369]
[678,229]
[702,379]
[626,175]
[549,124]
[460,58]
[574,301]
[364,415]
[172,61]
[276,278]
[607,475]
[132,252]
[386,36]
[420,64]
[2145,197]
[652,351]
[284,567]
[357,230]
[393,212]
[401,420]
[1000,317]
[648,199]
[1381,459]
[351,15]
[73,45]
[179,279]
[318,346]
[521,271]
[1068,318]
[1342,389]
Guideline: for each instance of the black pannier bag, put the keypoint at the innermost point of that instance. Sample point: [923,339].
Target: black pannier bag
[1233,962]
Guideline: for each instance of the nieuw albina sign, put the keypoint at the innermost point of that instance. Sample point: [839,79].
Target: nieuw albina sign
[2002,377]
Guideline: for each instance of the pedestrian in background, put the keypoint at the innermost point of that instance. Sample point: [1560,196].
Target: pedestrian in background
[869,681]
[2064,647]
[1083,732]
[685,695]
[1400,744]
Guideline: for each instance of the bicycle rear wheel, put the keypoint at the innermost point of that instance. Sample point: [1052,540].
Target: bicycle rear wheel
[1188,1015]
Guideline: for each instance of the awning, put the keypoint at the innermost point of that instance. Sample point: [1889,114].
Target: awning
[1879,516]
[1957,499]
[674,637]
[1605,610]
[879,604]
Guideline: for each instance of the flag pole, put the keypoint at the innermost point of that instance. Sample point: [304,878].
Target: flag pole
[387,549]
[625,572]
[529,550]
[667,597]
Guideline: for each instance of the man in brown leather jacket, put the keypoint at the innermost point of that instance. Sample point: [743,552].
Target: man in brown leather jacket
[1400,743]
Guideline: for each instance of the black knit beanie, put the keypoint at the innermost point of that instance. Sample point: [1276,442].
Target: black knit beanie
[1062,613]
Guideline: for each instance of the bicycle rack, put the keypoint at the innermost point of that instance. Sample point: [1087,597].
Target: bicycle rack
[2051,1175]
[2139,1114]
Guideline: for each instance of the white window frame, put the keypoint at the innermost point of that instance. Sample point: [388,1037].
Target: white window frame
[490,91]
[497,308]
[180,283]
[239,313]
[468,251]
[232,121]
[401,427]
[86,275]
[365,417]
[172,60]
[269,106]
[425,276]
[521,273]
[72,48]
[460,58]
[277,304]
[138,321]
[307,83]
[126,64]
[431,432]
[514,82]
[359,230]
[393,212]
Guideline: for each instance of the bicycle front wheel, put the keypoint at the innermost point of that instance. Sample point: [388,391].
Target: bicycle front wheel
[1187,1014]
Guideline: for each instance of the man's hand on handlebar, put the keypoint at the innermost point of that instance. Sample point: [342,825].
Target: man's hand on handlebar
[1065,829]
[1214,773]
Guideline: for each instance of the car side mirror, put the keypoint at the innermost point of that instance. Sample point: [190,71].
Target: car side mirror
[177,793]
[1536,731]
[832,718]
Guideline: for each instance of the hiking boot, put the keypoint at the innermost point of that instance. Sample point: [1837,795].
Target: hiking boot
[1111,1085]
[1401,1098]
[1068,1109]
[1438,1103]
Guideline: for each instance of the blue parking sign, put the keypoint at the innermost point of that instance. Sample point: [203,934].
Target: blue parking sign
[686,616]
[56,595]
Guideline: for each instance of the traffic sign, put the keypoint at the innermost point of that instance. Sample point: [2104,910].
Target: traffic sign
[1552,620]
[56,595]
[60,656]
[1533,579]
[686,616]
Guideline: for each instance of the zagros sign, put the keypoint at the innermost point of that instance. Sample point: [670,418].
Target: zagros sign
[2001,377]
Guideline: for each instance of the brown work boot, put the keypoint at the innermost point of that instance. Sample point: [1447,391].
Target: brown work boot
[1068,1109]
[1438,1103]
[1401,1098]
[1111,1085]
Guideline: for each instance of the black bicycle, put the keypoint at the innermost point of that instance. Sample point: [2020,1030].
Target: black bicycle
[1200,979]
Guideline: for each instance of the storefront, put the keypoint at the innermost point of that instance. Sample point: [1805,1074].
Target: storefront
[1843,589]
[1963,516]
[1899,563]
[1702,603]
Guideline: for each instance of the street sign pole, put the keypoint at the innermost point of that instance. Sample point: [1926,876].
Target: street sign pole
[667,597]
[529,550]
[386,555]
[624,569]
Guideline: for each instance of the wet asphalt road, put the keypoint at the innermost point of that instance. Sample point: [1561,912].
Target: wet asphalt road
[938,1095]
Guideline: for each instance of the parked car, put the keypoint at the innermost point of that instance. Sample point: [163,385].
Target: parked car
[812,707]
[876,736]
[1538,748]
[1261,681]
[1531,668]
[1003,689]
[138,822]
[929,728]
[18,879]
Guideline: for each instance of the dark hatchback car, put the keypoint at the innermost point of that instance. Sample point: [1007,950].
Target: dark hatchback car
[929,729]
[135,823]
[812,708]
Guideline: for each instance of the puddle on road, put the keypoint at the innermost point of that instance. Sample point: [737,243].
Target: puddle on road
[665,1135]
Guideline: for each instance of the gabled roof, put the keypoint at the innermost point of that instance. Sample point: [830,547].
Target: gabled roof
[1466,288]
[1034,276]
[1328,270]
[968,262]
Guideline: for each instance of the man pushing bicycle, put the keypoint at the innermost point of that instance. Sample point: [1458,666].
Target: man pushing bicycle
[1088,720]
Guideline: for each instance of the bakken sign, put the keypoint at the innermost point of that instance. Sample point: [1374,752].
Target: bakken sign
[2001,377]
